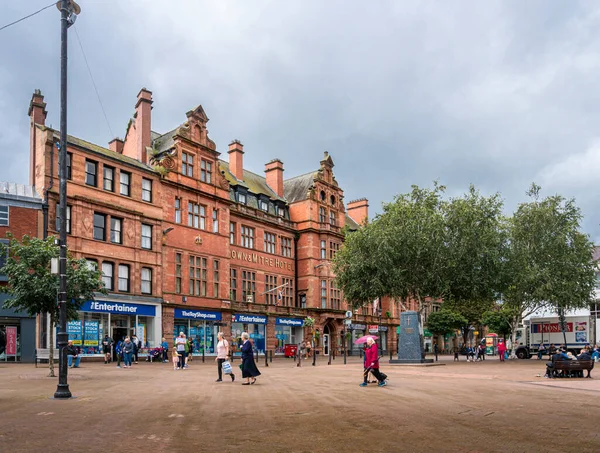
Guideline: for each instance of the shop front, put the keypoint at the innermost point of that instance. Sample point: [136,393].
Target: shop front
[199,325]
[17,335]
[356,331]
[117,319]
[255,325]
[288,331]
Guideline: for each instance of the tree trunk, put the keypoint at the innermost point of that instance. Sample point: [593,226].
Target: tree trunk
[514,324]
[51,353]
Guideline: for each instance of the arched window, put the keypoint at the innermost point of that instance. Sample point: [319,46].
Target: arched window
[322,195]
[333,200]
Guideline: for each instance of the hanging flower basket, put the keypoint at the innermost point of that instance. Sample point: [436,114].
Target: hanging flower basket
[309,322]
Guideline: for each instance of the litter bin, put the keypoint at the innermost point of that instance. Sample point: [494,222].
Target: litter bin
[290,350]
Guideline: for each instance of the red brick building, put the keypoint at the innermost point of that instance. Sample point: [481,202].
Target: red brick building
[191,242]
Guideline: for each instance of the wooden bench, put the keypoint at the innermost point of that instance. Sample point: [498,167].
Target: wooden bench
[566,366]
[44,354]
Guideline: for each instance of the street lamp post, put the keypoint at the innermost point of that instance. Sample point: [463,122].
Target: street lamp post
[68,12]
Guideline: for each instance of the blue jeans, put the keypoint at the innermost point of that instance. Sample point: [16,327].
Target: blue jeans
[70,360]
[127,358]
[595,355]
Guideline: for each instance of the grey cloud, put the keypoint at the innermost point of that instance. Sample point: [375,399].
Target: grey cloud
[493,93]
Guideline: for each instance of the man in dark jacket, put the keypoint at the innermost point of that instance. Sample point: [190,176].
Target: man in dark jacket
[558,356]
[72,354]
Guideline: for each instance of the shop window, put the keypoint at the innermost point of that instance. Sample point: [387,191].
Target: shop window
[270,291]
[247,237]
[91,172]
[322,215]
[269,242]
[248,286]
[286,247]
[232,233]
[206,171]
[109,178]
[57,218]
[178,273]
[323,250]
[125,183]
[108,275]
[99,227]
[215,221]
[323,293]
[233,284]
[187,164]
[4,215]
[146,280]
[116,228]
[146,236]
[177,210]
[147,190]
[124,278]
[215,278]
[198,276]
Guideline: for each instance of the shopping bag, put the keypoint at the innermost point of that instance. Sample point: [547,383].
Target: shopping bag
[227,367]
[506,355]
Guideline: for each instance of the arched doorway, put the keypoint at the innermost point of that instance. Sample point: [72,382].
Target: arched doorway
[329,338]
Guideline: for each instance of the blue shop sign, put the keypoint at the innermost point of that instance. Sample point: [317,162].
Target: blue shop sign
[249,319]
[182,313]
[295,322]
[118,308]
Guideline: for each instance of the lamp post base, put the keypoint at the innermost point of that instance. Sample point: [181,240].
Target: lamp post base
[62,392]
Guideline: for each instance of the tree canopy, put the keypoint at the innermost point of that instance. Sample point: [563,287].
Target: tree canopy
[34,289]
[445,321]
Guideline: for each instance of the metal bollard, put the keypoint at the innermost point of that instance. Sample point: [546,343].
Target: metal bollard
[202,355]
[266,357]
[329,361]
[299,355]
[314,351]
[271,356]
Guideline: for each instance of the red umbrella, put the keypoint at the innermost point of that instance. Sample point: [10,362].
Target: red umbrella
[364,339]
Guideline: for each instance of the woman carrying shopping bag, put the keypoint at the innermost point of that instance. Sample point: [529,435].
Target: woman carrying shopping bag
[223,364]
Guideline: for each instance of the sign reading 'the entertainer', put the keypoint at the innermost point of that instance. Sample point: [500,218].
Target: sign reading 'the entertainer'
[119,308]
[289,322]
[250,319]
[182,313]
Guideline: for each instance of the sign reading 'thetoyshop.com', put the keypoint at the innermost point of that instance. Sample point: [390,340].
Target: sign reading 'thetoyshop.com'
[182,313]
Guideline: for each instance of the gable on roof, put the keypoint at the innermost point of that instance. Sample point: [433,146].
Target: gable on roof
[299,188]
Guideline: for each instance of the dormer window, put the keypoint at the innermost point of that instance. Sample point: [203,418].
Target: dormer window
[241,197]
[263,205]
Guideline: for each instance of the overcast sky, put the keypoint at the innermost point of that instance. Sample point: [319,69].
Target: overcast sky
[495,93]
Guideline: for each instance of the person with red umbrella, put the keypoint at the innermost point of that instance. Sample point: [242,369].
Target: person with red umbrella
[372,364]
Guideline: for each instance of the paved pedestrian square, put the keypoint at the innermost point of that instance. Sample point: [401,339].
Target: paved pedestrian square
[458,407]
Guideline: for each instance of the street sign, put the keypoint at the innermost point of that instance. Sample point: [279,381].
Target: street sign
[349,314]
[373,329]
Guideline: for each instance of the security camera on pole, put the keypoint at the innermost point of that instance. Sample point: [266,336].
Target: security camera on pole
[68,13]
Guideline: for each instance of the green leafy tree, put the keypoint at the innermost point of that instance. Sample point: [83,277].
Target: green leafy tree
[549,261]
[471,311]
[499,321]
[34,289]
[445,321]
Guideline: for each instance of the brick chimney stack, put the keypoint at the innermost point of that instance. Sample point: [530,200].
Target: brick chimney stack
[37,115]
[116,145]
[236,159]
[274,175]
[358,210]
[138,134]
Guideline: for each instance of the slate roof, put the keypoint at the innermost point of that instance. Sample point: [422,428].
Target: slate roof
[98,149]
[351,224]
[163,142]
[297,188]
[253,182]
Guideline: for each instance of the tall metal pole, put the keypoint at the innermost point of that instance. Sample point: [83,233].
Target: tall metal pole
[62,391]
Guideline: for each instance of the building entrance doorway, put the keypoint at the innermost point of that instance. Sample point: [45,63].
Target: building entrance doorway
[326,340]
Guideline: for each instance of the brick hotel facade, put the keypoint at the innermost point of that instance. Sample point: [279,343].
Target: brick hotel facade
[189,242]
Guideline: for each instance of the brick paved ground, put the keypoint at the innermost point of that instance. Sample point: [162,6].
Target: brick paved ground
[460,407]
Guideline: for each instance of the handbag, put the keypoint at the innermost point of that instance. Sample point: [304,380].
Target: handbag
[227,367]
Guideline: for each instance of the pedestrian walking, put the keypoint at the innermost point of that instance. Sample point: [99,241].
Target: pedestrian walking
[137,345]
[501,349]
[165,349]
[128,349]
[222,355]
[106,348]
[119,352]
[249,369]
[190,350]
[456,351]
[181,346]
[372,363]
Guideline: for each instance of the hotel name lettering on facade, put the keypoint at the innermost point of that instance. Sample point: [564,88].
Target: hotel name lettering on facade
[256,258]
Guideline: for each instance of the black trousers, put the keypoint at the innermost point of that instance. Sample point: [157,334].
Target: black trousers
[220,369]
[182,356]
[375,372]
[165,355]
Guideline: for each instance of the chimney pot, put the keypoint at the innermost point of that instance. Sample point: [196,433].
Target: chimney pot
[116,145]
[274,175]
[358,210]
[236,159]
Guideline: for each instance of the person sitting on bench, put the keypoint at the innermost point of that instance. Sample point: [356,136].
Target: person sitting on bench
[72,353]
